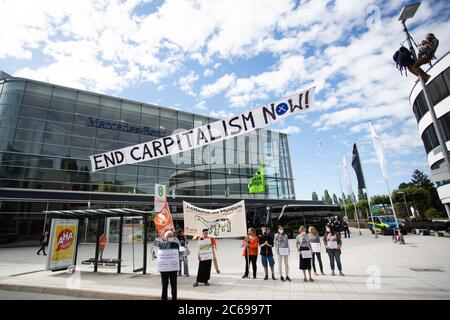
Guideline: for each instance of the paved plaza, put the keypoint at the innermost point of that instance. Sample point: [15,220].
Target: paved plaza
[374,269]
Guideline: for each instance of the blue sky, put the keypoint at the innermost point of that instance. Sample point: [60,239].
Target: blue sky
[223,57]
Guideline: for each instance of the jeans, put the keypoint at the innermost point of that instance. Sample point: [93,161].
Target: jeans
[252,260]
[319,258]
[184,263]
[165,277]
[42,249]
[335,254]
[280,264]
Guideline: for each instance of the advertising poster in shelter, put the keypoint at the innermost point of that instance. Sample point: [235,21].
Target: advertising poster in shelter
[62,244]
[222,223]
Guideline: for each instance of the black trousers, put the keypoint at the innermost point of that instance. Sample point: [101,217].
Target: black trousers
[347,232]
[319,258]
[42,248]
[251,259]
[165,277]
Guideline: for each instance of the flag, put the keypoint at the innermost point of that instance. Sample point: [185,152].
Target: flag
[379,150]
[348,184]
[356,164]
[258,183]
[163,220]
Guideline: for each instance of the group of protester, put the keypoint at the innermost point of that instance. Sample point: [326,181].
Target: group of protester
[340,225]
[308,246]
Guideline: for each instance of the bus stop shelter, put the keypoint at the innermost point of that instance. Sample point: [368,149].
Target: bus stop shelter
[100,215]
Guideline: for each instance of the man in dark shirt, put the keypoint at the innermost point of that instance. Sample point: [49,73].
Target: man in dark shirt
[266,243]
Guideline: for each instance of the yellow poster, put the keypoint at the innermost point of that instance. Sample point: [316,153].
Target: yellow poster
[63,243]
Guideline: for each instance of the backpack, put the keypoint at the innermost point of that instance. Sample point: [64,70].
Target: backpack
[403,59]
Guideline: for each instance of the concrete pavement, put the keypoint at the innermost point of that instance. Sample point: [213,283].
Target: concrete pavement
[374,269]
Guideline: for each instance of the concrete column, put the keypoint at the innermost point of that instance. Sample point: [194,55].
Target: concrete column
[447,208]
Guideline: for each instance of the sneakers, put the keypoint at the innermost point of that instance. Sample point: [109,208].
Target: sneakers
[305,280]
[288,279]
[245,276]
[341,274]
[281,278]
[333,274]
[273,277]
[323,273]
[218,271]
[195,285]
[311,280]
[207,283]
[266,277]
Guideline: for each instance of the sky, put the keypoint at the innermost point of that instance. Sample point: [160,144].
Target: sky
[224,57]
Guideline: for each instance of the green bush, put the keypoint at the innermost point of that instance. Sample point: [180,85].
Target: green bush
[433,213]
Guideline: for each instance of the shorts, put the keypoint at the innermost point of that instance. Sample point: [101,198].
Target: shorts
[264,260]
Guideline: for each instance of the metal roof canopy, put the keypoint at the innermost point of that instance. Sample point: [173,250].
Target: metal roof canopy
[100,215]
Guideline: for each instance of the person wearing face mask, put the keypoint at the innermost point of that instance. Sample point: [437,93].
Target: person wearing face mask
[315,240]
[266,243]
[250,245]
[281,242]
[204,266]
[303,244]
[333,243]
[169,242]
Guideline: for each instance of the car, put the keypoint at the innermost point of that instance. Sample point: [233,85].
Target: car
[385,224]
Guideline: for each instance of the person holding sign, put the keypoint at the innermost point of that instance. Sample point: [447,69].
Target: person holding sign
[333,243]
[205,256]
[281,242]
[250,245]
[303,244]
[266,244]
[316,249]
[168,263]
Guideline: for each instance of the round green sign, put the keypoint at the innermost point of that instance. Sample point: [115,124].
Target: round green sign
[160,191]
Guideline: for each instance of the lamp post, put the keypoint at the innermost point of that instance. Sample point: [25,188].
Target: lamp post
[408,12]
[404,200]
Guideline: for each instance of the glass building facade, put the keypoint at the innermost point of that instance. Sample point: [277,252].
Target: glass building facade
[47,133]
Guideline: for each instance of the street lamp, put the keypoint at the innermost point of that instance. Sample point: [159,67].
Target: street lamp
[408,12]
[404,200]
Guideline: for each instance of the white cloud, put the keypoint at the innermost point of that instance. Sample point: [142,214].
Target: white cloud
[201,105]
[217,87]
[208,72]
[221,114]
[290,130]
[186,83]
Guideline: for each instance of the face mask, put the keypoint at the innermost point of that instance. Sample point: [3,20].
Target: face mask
[170,239]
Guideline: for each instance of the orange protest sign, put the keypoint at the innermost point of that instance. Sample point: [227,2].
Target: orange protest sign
[163,220]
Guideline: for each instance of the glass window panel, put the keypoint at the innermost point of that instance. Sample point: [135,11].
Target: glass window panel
[168,120]
[14,87]
[131,108]
[59,127]
[38,90]
[11,109]
[60,116]
[87,110]
[131,118]
[11,98]
[35,101]
[27,147]
[80,152]
[185,121]
[84,131]
[33,112]
[28,123]
[82,142]
[108,134]
[63,105]
[438,89]
[105,145]
[128,137]
[49,149]
[29,135]
[109,109]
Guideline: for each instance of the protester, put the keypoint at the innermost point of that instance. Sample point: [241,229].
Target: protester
[427,50]
[184,253]
[214,248]
[337,225]
[315,238]
[169,242]
[250,245]
[281,241]
[266,243]
[204,266]
[102,245]
[304,248]
[345,227]
[44,242]
[333,243]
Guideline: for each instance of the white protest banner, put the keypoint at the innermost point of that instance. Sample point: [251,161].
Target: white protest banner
[283,251]
[205,249]
[306,254]
[160,196]
[62,244]
[222,223]
[206,134]
[168,260]
[332,244]
[315,247]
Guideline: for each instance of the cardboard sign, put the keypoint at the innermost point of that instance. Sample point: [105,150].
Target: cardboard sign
[283,251]
[316,247]
[209,133]
[205,249]
[332,245]
[168,260]
[306,254]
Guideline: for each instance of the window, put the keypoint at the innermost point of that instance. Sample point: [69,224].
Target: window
[429,139]
[32,112]
[60,116]
[87,104]
[109,109]
[438,90]
[63,100]
[445,121]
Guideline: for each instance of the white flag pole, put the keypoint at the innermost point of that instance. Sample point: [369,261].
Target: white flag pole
[342,191]
[350,190]
[379,150]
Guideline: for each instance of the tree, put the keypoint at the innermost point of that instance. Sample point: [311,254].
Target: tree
[335,199]
[315,197]
[326,197]
[420,179]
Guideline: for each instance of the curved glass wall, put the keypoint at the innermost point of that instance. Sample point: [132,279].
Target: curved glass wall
[48,132]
